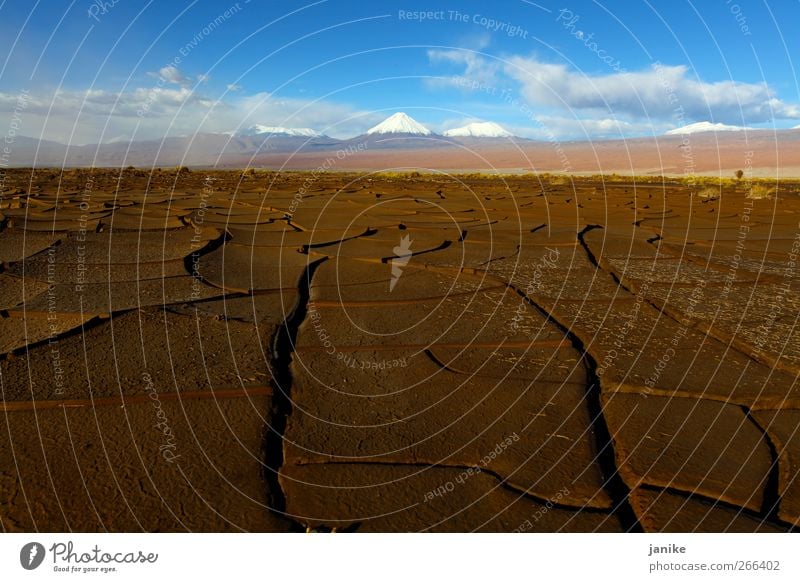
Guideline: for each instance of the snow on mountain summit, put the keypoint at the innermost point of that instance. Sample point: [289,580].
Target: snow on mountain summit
[400,123]
[703,126]
[267,130]
[479,129]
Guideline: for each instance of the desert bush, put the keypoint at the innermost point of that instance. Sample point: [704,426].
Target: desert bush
[719,182]
[559,180]
[760,192]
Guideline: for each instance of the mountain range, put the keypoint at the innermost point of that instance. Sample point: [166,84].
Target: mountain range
[402,142]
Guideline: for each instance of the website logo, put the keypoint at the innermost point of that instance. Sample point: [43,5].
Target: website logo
[402,256]
[31,555]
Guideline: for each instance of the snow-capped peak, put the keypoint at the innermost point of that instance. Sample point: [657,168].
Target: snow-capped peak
[479,129]
[702,126]
[400,123]
[267,130]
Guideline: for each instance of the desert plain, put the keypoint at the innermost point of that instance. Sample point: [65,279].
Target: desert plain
[288,351]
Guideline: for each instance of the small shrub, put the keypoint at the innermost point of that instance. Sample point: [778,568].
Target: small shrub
[559,180]
[760,192]
[709,193]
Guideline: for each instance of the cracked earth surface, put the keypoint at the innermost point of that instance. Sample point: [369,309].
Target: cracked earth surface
[218,351]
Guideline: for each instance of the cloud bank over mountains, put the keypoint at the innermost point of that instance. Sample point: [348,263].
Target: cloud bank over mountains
[557,101]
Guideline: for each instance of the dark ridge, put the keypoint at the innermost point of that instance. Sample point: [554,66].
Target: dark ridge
[442,246]
[95,321]
[438,362]
[582,241]
[283,342]
[663,310]
[614,485]
[503,483]
[367,232]
[772,496]
[540,227]
[189,260]
[720,503]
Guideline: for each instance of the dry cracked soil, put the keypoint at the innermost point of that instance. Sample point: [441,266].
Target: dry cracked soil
[260,351]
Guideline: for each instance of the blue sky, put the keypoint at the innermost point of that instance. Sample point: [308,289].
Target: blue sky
[99,71]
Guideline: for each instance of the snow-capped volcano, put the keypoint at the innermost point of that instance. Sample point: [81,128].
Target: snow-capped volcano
[267,130]
[703,126]
[399,123]
[479,129]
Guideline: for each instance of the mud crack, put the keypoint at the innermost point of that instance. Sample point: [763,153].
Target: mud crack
[283,346]
[613,483]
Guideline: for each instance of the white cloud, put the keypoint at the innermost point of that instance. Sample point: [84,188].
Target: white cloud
[333,119]
[233,87]
[157,101]
[98,115]
[477,70]
[171,74]
[548,127]
[659,92]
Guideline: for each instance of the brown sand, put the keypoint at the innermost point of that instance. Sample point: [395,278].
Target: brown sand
[276,352]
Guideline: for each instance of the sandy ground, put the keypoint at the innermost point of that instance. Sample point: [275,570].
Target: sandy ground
[218,351]
[757,153]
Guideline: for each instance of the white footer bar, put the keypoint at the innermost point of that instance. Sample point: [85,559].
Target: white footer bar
[389,557]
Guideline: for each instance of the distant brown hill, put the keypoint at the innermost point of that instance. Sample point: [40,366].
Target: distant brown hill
[760,152]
